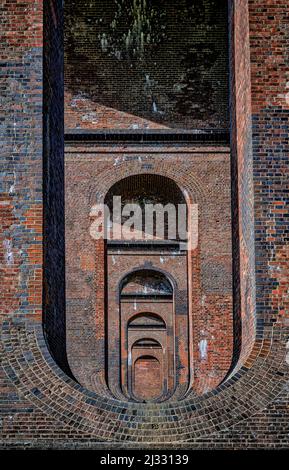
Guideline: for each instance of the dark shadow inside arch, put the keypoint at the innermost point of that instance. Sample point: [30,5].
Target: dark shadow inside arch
[53,191]
[148,283]
[176,77]
[144,319]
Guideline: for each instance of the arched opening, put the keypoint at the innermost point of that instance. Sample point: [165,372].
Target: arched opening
[157,204]
[147,287]
[147,323]
[146,283]
[146,320]
[147,378]
[147,334]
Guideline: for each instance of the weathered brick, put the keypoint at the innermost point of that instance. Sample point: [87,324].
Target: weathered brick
[42,405]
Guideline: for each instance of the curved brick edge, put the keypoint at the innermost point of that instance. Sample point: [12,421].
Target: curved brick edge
[29,366]
[180,177]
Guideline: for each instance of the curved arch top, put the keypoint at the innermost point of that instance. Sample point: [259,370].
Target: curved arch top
[146,318]
[54,386]
[146,282]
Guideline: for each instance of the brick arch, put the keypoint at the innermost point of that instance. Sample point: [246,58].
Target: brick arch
[152,377]
[194,192]
[240,5]
[165,273]
[126,333]
[147,338]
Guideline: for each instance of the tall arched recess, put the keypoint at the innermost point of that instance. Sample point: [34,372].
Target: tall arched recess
[54,315]
[242,183]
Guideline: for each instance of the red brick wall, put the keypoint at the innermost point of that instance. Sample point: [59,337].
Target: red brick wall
[242,184]
[9,265]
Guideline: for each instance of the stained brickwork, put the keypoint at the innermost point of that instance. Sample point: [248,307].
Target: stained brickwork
[41,406]
[176,78]
[53,185]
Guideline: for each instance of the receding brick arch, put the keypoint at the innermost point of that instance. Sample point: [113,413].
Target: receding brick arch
[185,183]
[159,325]
[190,184]
[37,379]
[162,273]
[155,188]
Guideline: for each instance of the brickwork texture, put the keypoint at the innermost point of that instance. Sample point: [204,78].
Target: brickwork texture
[43,403]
